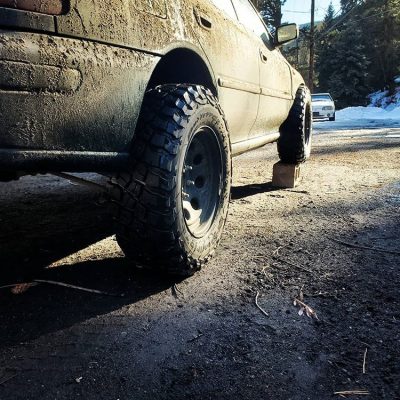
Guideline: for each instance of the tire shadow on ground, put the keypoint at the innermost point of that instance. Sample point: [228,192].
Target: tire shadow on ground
[43,224]
[47,308]
[240,192]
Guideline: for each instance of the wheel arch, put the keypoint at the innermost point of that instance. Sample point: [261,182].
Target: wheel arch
[183,65]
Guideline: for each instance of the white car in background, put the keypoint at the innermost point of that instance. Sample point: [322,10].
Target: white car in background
[323,106]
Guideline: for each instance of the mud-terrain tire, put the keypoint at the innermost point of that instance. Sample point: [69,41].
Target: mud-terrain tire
[294,143]
[333,118]
[173,203]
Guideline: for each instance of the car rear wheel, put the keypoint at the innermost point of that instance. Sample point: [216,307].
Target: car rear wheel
[173,202]
[333,118]
[294,143]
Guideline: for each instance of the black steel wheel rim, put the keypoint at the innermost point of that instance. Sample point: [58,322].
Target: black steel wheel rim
[307,124]
[202,180]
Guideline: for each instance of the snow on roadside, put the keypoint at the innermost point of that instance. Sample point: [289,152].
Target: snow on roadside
[360,118]
[383,111]
[381,107]
[358,113]
[381,99]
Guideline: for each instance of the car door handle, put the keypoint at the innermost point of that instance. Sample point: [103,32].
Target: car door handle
[263,56]
[202,19]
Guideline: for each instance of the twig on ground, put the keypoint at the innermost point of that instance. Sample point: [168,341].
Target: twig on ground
[305,308]
[357,392]
[67,285]
[301,294]
[293,265]
[196,337]
[382,237]
[7,379]
[297,191]
[10,285]
[322,294]
[276,251]
[18,288]
[175,290]
[22,287]
[365,360]
[268,275]
[357,246]
[259,257]
[259,307]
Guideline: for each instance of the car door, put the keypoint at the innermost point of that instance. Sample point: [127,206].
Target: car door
[276,90]
[232,52]
[275,76]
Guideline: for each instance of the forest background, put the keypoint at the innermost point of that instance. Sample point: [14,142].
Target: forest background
[357,48]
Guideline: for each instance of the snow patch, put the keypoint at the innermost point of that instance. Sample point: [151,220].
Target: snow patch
[383,100]
[352,113]
[362,118]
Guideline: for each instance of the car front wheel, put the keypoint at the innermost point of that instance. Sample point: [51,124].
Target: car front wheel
[294,143]
[173,202]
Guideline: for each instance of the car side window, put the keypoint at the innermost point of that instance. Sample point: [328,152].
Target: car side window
[251,20]
[226,6]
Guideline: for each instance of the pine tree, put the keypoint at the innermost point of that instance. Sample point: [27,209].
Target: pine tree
[347,5]
[348,83]
[271,11]
[359,51]
[329,17]
[325,64]
[381,37]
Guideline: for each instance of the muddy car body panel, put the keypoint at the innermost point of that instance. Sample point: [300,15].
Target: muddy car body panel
[72,85]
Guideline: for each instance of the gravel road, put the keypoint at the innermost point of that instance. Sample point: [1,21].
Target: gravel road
[204,337]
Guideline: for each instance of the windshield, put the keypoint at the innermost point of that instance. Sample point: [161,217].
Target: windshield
[321,97]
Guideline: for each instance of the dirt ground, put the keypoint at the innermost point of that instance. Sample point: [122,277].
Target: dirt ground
[206,339]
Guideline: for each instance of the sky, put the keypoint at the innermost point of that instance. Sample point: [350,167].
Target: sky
[299,11]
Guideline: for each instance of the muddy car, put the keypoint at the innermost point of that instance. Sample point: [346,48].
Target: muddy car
[158,95]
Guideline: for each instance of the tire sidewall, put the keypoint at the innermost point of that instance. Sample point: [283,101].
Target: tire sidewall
[198,247]
[293,146]
[307,114]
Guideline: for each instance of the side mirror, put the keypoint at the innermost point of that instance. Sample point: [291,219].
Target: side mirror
[286,33]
